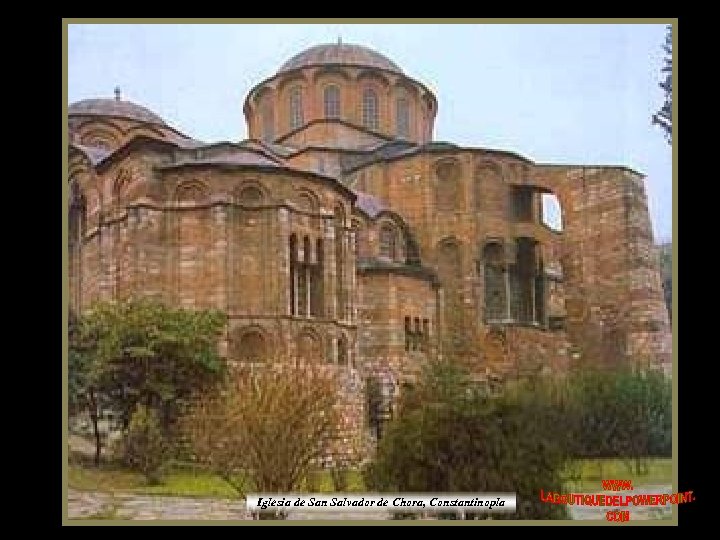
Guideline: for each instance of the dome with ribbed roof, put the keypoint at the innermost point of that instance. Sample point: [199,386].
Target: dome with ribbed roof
[339,53]
[114,107]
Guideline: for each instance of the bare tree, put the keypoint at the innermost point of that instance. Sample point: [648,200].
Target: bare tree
[269,427]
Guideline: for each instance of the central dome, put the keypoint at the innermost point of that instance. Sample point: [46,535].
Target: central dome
[339,53]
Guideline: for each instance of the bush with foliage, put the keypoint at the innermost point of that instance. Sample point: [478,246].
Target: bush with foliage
[621,414]
[141,352]
[452,435]
[144,447]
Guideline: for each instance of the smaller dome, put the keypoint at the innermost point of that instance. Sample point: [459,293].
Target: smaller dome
[340,53]
[114,107]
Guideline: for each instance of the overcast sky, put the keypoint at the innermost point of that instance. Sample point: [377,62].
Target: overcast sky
[577,94]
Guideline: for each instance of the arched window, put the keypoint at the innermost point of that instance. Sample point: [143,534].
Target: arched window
[296,108]
[331,98]
[388,242]
[370,109]
[402,118]
[251,347]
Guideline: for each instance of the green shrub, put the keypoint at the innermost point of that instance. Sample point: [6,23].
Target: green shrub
[144,448]
[451,435]
[621,414]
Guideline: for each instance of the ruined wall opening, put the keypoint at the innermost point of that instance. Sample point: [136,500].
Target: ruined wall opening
[552,216]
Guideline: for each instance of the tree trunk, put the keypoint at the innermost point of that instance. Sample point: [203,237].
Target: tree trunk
[92,405]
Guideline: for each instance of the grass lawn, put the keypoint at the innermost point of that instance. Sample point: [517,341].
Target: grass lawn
[181,482]
[186,480]
[583,476]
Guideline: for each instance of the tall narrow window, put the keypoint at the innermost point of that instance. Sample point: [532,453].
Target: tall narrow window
[77,220]
[426,335]
[408,334]
[370,109]
[417,336]
[522,203]
[522,281]
[495,287]
[340,263]
[317,293]
[388,242]
[332,101]
[304,286]
[402,118]
[342,351]
[293,275]
[268,123]
[296,108]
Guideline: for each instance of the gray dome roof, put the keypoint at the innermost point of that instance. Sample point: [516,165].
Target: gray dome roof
[340,53]
[115,107]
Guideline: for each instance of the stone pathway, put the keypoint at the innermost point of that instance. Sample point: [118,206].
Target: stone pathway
[130,506]
[98,505]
